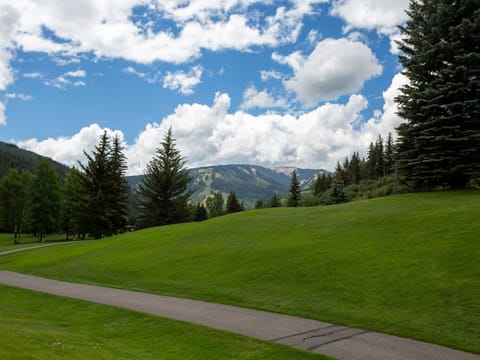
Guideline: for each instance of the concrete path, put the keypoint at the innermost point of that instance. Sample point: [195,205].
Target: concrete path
[40,245]
[317,336]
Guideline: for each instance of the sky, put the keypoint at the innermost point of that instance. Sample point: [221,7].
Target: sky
[300,83]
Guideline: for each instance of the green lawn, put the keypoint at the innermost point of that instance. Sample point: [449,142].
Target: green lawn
[6,240]
[407,265]
[39,326]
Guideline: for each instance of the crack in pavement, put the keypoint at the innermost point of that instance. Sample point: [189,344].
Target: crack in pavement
[302,333]
[315,347]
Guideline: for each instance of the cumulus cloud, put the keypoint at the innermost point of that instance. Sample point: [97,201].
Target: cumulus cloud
[3,118]
[33,75]
[69,150]
[335,67]
[21,97]
[266,75]
[381,15]
[150,78]
[252,98]
[183,82]
[387,120]
[211,134]
[9,17]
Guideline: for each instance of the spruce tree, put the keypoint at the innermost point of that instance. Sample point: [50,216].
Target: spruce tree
[294,193]
[439,142]
[119,191]
[14,201]
[163,190]
[45,200]
[233,205]
[214,205]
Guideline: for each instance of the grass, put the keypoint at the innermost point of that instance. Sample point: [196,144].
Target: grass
[406,265]
[6,240]
[39,326]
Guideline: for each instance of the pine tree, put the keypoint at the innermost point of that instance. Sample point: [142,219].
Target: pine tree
[233,205]
[200,213]
[14,201]
[274,201]
[214,205]
[294,193]
[163,191]
[119,190]
[45,200]
[389,155]
[440,141]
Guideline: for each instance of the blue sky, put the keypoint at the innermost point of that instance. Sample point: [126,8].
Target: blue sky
[274,83]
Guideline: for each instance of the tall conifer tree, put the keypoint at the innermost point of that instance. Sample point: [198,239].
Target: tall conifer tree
[163,191]
[439,144]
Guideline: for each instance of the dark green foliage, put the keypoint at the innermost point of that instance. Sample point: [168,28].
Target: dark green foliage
[14,201]
[12,156]
[439,144]
[215,205]
[259,204]
[119,191]
[45,200]
[321,184]
[335,194]
[200,213]
[102,199]
[294,194]
[163,190]
[274,202]
[233,205]
[75,215]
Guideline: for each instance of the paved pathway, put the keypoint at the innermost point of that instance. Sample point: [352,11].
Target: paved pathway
[317,336]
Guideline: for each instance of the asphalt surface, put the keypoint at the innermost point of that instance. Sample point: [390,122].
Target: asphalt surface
[316,336]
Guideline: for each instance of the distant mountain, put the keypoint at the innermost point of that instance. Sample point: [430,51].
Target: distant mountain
[249,182]
[11,155]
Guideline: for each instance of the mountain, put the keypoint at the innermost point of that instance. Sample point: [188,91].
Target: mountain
[11,155]
[250,183]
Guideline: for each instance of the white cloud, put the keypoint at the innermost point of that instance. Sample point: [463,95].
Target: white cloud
[381,15]
[3,117]
[387,121]
[209,135]
[67,80]
[265,75]
[33,75]
[183,82]
[150,78]
[76,73]
[252,98]
[335,67]
[9,17]
[69,150]
[22,97]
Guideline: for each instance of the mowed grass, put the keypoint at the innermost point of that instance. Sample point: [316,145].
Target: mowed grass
[407,265]
[6,240]
[39,326]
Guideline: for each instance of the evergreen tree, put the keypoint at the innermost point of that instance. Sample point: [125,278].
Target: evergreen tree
[389,155]
[274,201]
[259,204]
[233,205]
[214,205]
[14,200]
[294,193]
[163,191]
[118,196]
[96,183]
[75,217]
[45,200]
[321,184]
[200,213]
[440,141]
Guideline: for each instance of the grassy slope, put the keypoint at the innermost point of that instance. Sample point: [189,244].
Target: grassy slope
[6,240]
[406,264]
[39,326]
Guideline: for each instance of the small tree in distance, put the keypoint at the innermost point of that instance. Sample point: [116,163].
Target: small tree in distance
[233,205]
[294,195]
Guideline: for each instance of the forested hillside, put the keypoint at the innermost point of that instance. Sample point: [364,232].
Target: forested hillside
[13,156]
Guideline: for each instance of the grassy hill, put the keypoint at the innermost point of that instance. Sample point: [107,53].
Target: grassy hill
[22,159]
[406,265]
